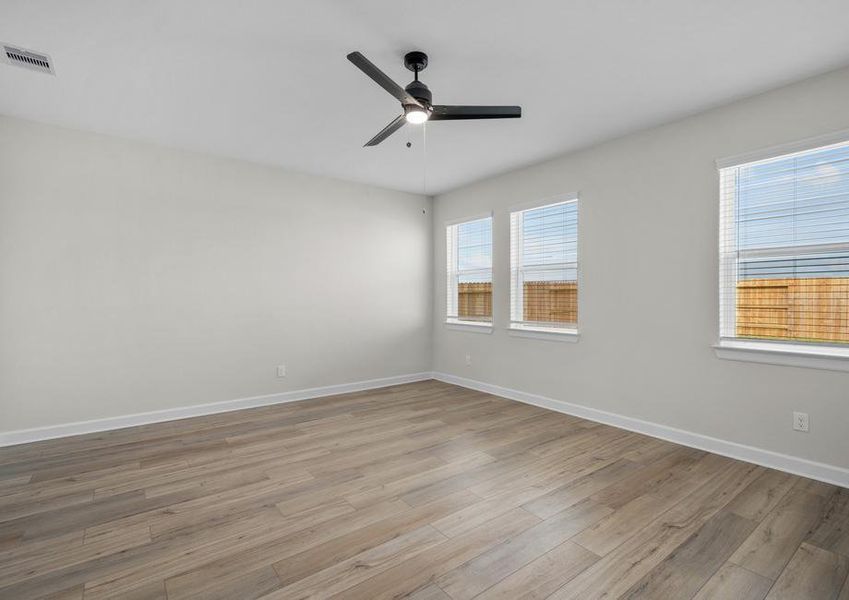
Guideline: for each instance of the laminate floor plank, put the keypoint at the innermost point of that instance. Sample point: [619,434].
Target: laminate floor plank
[618,527]
[687,569]
[763,495]
[578,489]
[731,581]
[831,532]
[618,571]
[487,569]
[813,574]
[351,571]
[241,584]
[343,547]
[544,575]
[422,570]
[775,540]
[844,593]
[431,592]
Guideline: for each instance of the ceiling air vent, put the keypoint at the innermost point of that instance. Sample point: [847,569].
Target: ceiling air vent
[34,61]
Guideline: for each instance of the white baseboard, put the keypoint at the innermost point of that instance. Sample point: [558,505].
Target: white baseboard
[767,458]
[23,436]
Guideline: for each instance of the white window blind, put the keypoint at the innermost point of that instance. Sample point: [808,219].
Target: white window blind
[469,268]
[544,267]
[784,249]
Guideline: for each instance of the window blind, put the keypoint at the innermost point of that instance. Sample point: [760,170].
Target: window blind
[469,268]
[544,266]
[784,248]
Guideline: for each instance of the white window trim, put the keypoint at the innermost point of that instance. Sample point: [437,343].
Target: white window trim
[470,326]
[531,204]
[553,334]
[783,150]
[538,330]
[794,354]
[829,358]
[467,218]
[453,322]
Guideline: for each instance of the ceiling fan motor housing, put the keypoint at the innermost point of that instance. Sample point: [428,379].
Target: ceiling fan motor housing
[420,92]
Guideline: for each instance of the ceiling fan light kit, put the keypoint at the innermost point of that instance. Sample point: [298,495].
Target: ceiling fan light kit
[416,115]
[417,101]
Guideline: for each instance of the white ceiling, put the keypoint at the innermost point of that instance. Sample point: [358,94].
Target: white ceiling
[267,80]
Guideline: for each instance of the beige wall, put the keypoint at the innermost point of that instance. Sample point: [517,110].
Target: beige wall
[648,216]
[135,278]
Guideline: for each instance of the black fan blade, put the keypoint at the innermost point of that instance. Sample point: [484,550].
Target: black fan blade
[387,131]
[454,113]
[381,78]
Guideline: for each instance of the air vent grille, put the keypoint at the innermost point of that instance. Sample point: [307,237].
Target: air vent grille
[27,59]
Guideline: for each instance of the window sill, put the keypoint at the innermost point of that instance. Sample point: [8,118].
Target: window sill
[471,326]
[545,333]
[792,355]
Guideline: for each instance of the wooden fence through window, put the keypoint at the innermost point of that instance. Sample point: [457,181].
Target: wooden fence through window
[474,301]
[815,309]
[545,301]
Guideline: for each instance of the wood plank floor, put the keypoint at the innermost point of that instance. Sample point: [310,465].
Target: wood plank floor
[426,491]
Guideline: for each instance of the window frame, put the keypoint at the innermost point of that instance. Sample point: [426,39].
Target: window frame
[457,323]
[774,352]
[544,330]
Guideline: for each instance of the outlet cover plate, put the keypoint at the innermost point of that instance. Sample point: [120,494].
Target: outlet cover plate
[800,421]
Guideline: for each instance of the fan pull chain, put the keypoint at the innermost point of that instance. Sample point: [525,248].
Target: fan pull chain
[424,158]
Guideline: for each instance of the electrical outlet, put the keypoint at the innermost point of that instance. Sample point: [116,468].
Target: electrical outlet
[281,370]
[800,421]
[468,360]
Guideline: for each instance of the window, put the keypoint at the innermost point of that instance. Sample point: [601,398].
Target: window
[469,252]
[544,267]
[784,253]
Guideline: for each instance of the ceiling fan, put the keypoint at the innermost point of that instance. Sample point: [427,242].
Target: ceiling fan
[416,99]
